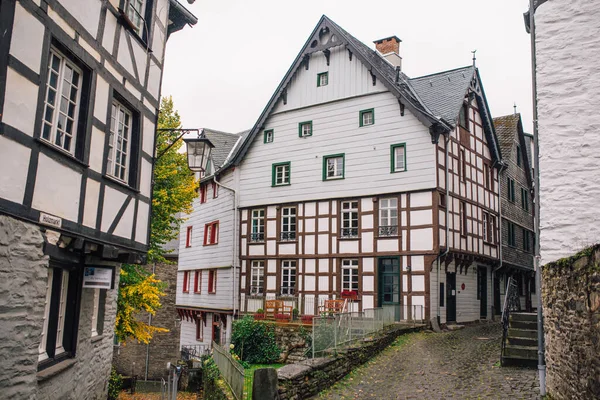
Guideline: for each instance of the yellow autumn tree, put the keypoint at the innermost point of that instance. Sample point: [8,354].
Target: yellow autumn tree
[173,192]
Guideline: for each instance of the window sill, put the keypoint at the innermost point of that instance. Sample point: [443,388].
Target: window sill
[388,236]
[210,244]
[97,338]
[348,238]
[287,241]
[62,152]
[395,172]
[283,184]
[120,183]
[212,292]
[197,292]
[55,369]
[333,179]
[185,291]
[257,242]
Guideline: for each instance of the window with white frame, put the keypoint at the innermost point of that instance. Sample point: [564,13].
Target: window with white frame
[119,142]
[62,102]
[367,117]
[258,225]
[323,79]
[281,174]
[288,223]
[60,318]
[349,228]
[257,277]
[333,167]
[135,13]
[398,157]
[269,136]
[305,129]
[388,216]
[486,228]
[288,277]
[350,275]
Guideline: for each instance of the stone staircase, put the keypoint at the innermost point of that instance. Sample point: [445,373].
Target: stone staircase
[521,342]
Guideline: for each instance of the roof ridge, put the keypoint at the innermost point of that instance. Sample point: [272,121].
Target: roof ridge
[441,72]
[221,132]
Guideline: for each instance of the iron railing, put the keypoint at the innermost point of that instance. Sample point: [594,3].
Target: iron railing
[257,237]
[511,303]
[306,305]
[388,230]
[189,352]
[349,232]
[231,370]
[287,236]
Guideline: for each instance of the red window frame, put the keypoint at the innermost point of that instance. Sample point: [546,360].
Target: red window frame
[202,194]
[186,282]
[188,236]
[197,281]
[212,281]
[199,330]
[215,189]
[212,237]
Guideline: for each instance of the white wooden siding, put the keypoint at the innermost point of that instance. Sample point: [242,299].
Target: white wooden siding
[220,209]
[336,130]
[346,79]
[222,298]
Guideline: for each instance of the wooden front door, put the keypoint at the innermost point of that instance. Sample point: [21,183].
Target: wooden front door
[389,284]
[451,297]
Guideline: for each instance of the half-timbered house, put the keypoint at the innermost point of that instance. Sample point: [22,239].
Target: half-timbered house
[79,95]
[517,213]
[357,178]
[207,281]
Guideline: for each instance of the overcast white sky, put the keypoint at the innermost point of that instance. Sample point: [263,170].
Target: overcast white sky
[222,71]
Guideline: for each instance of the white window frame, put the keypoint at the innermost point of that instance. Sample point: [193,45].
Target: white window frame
[43,340]
[95,312]
[51,131]
[350,271]
[399,157]
[257,277]
[115,167]
[288,277]
[367,117]
[324,79]
[62,308]
[288,223]
[135,13]
[257,225]
[349,220]
[282,174]
[486,232]
[388,216]
[306,129]
[269,136]
[334,167]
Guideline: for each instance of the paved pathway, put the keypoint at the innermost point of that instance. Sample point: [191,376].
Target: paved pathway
[454,365]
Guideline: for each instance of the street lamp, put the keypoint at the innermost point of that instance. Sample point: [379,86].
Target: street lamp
[198,148]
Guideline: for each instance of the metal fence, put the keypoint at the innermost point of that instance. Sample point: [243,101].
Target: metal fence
[333,333]
[305,304]
[189,352]
[231,370]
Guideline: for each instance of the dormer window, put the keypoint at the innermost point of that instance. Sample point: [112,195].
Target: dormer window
[323,79]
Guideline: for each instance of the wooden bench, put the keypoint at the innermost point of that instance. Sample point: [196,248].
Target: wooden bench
[332,307]
[273,307]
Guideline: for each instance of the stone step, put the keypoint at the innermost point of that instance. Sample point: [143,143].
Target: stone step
[522,341]
[518,362]
[524,352]
[523,333]
[531,325]
[522,316]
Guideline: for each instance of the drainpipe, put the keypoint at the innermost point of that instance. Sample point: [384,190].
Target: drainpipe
[445,253]
[502,168]
[538,272]
[234,250]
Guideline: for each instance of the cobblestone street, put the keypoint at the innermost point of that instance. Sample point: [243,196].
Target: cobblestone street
[454,365]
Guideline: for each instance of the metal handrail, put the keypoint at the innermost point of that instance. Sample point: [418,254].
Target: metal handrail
[511,303]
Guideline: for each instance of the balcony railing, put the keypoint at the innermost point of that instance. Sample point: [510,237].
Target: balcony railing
[257,237]
[388,230]
[193,351]
[349,232]
[256,290]
[287,236]
[288,291]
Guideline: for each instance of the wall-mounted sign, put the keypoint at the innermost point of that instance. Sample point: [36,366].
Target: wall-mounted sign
[95,277]
[50,220]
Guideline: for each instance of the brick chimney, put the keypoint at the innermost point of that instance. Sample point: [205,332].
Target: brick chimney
[389,48]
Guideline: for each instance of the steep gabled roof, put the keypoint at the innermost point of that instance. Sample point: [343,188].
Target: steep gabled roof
[393,80]
[443,92]
[510,128]
[223,143]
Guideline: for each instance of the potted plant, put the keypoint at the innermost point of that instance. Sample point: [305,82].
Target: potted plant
[295,314]
[259,314]
[349,294]
[307,319]
[282,317]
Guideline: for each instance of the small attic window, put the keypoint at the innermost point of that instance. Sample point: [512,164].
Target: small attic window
[463,116]
[322,79]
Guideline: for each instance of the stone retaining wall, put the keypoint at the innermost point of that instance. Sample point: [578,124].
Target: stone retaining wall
[292,340]
[571,301]
[309,377]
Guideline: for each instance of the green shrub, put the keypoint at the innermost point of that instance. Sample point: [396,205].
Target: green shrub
[115,383]
[254,341]
[260,311]
[295,313]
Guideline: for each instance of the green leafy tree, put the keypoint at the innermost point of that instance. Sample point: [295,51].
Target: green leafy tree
[173,192]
